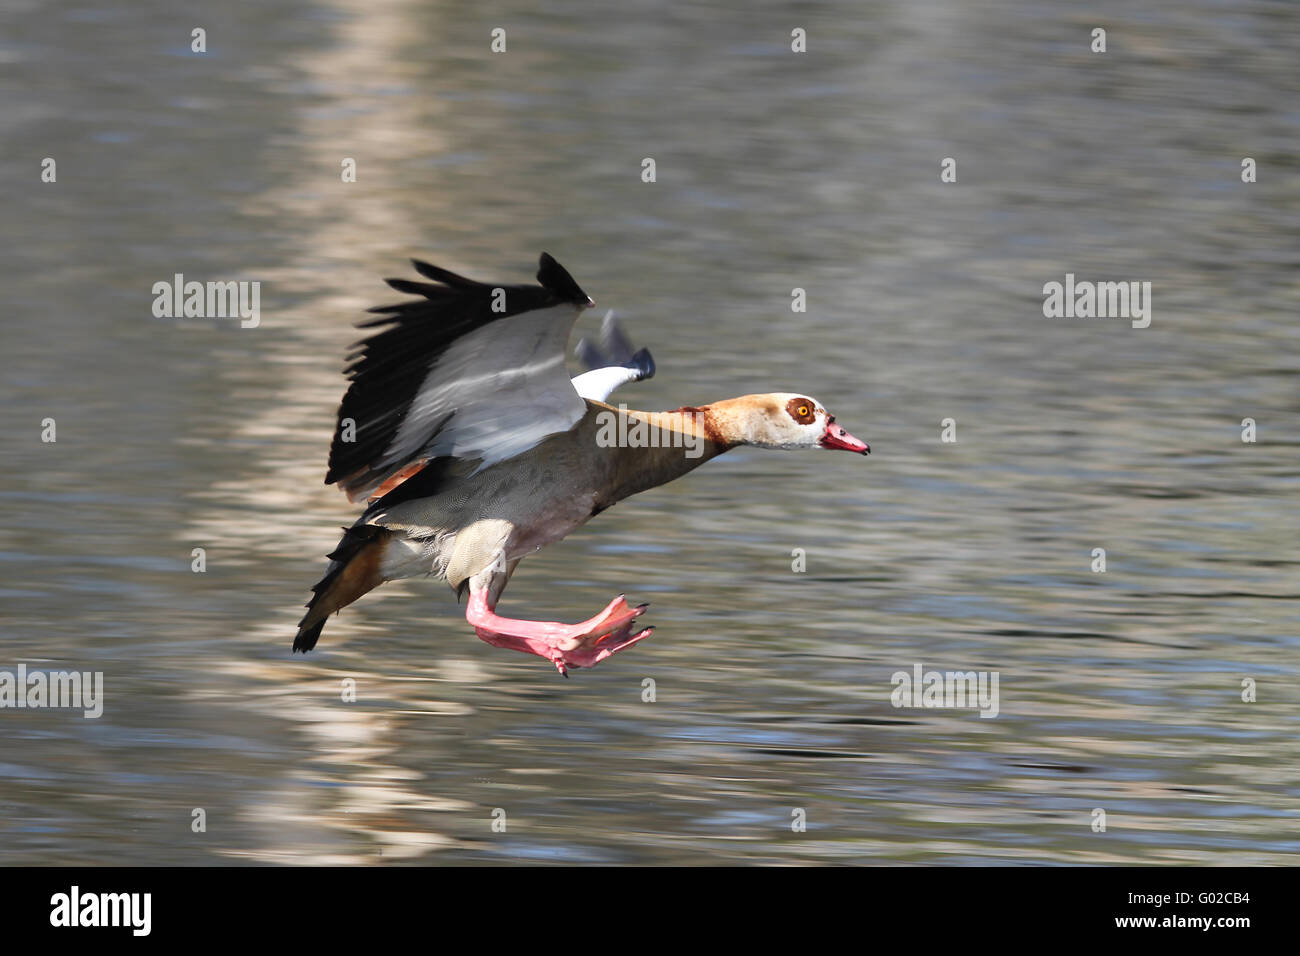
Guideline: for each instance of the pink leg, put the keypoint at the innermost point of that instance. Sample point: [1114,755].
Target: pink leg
[564,645]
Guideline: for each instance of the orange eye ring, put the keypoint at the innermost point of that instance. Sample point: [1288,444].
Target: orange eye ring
[802,410]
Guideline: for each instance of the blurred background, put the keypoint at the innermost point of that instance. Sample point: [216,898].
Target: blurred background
[775,170]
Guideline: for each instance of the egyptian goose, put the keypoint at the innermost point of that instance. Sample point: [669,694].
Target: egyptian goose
[463,432]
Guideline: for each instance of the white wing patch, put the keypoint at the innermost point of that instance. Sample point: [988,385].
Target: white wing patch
[600,383]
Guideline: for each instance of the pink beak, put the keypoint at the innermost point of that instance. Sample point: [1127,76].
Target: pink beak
[837,437]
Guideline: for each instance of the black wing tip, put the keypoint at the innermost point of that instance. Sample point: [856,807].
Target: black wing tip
[644,363]
[556,278]
[445,276]
[415,288]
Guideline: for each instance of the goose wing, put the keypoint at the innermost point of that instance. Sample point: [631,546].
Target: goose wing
[468,370]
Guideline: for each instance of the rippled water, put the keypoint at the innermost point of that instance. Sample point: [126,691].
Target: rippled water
[1120,691]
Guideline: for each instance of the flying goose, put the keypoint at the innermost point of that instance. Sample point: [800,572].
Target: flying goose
[473,448]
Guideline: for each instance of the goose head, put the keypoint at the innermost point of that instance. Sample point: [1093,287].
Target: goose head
[783,420]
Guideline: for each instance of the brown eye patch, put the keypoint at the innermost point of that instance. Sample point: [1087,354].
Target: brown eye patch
[802,410]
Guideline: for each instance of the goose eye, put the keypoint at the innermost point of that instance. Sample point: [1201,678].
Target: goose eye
[801,410]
